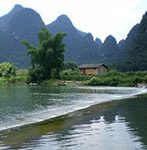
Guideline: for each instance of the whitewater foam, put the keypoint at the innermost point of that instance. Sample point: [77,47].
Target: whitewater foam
[82,100]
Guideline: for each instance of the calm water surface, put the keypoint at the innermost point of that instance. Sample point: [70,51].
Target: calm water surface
[69,118]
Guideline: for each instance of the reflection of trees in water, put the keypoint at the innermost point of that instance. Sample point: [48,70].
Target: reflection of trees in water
[136,115]
[133,112]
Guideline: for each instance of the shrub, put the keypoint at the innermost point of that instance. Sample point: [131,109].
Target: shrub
[94,81]
[16,79]
[7,69]
[69,72]
[35,75]
[71,65]
[76,77]
[115,81]
[22,72]
[113,73]
[145,79]
[105,81]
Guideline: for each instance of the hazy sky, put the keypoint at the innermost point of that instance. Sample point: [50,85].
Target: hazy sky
[100,17]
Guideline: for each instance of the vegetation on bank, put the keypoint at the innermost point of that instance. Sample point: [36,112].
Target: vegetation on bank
[10,74]
[114,78]
[7,69]
[111,78]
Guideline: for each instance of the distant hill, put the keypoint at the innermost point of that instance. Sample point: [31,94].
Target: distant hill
[5,20]
[20,23]
[80,46]
[82,33]
[109,50]
[24,23]
[135,48]
[98,43]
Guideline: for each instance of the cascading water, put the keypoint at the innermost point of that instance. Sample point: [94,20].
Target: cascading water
[21,105]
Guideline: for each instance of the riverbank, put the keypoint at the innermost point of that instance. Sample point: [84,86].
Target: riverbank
[111,78]
[13,80]
[73,78]
[20,77]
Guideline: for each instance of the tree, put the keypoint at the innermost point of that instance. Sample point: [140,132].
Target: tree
[48,55]
[71,65]
[58,47]
[7,69]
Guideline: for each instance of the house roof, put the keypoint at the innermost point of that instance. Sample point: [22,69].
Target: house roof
[91,66]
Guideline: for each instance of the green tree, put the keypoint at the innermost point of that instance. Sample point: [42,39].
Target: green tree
[58,48]
[71,65]
[48,55]
[7,69]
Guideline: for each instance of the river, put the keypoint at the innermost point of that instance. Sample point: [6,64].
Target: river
[69,118]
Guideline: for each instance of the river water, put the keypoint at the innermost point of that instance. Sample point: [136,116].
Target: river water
[69,118]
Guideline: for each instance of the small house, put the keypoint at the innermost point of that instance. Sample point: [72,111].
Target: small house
[93,69]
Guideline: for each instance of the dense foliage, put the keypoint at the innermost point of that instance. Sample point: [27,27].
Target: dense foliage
[48,56]
[114,78]
[111,78]
[70,65]
[74,76]
[7,69]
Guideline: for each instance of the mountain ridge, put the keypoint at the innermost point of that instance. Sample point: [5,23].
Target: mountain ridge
[77,47]
[25,23]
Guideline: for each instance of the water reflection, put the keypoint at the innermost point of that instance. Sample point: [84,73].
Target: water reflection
[112,125]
